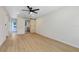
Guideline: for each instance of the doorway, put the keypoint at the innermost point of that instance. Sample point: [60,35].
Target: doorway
[30,26]
[27,26]
[14,25]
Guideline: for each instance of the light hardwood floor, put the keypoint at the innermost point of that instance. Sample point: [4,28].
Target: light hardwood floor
[34,43]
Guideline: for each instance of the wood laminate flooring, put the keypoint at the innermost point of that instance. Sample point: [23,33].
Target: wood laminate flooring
[34,43]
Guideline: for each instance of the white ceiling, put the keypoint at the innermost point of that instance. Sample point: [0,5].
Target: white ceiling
[14,11]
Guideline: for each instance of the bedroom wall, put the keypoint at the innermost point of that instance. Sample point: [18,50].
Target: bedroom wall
[3,25]
[61,25]
[20,25]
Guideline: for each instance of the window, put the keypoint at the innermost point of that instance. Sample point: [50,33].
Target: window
[14,25]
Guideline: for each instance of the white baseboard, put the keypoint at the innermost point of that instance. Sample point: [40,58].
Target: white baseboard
[58,39]
[1,42]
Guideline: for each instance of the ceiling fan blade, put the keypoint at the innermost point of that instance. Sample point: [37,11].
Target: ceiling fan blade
[25,10]
[36,9]
[29,7]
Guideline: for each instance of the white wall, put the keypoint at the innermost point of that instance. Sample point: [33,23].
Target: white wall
[3,29]
[7,21]
[32,26]
[20,25]
[62,25]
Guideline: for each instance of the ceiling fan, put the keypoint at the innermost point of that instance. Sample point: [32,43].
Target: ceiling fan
[30,9]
